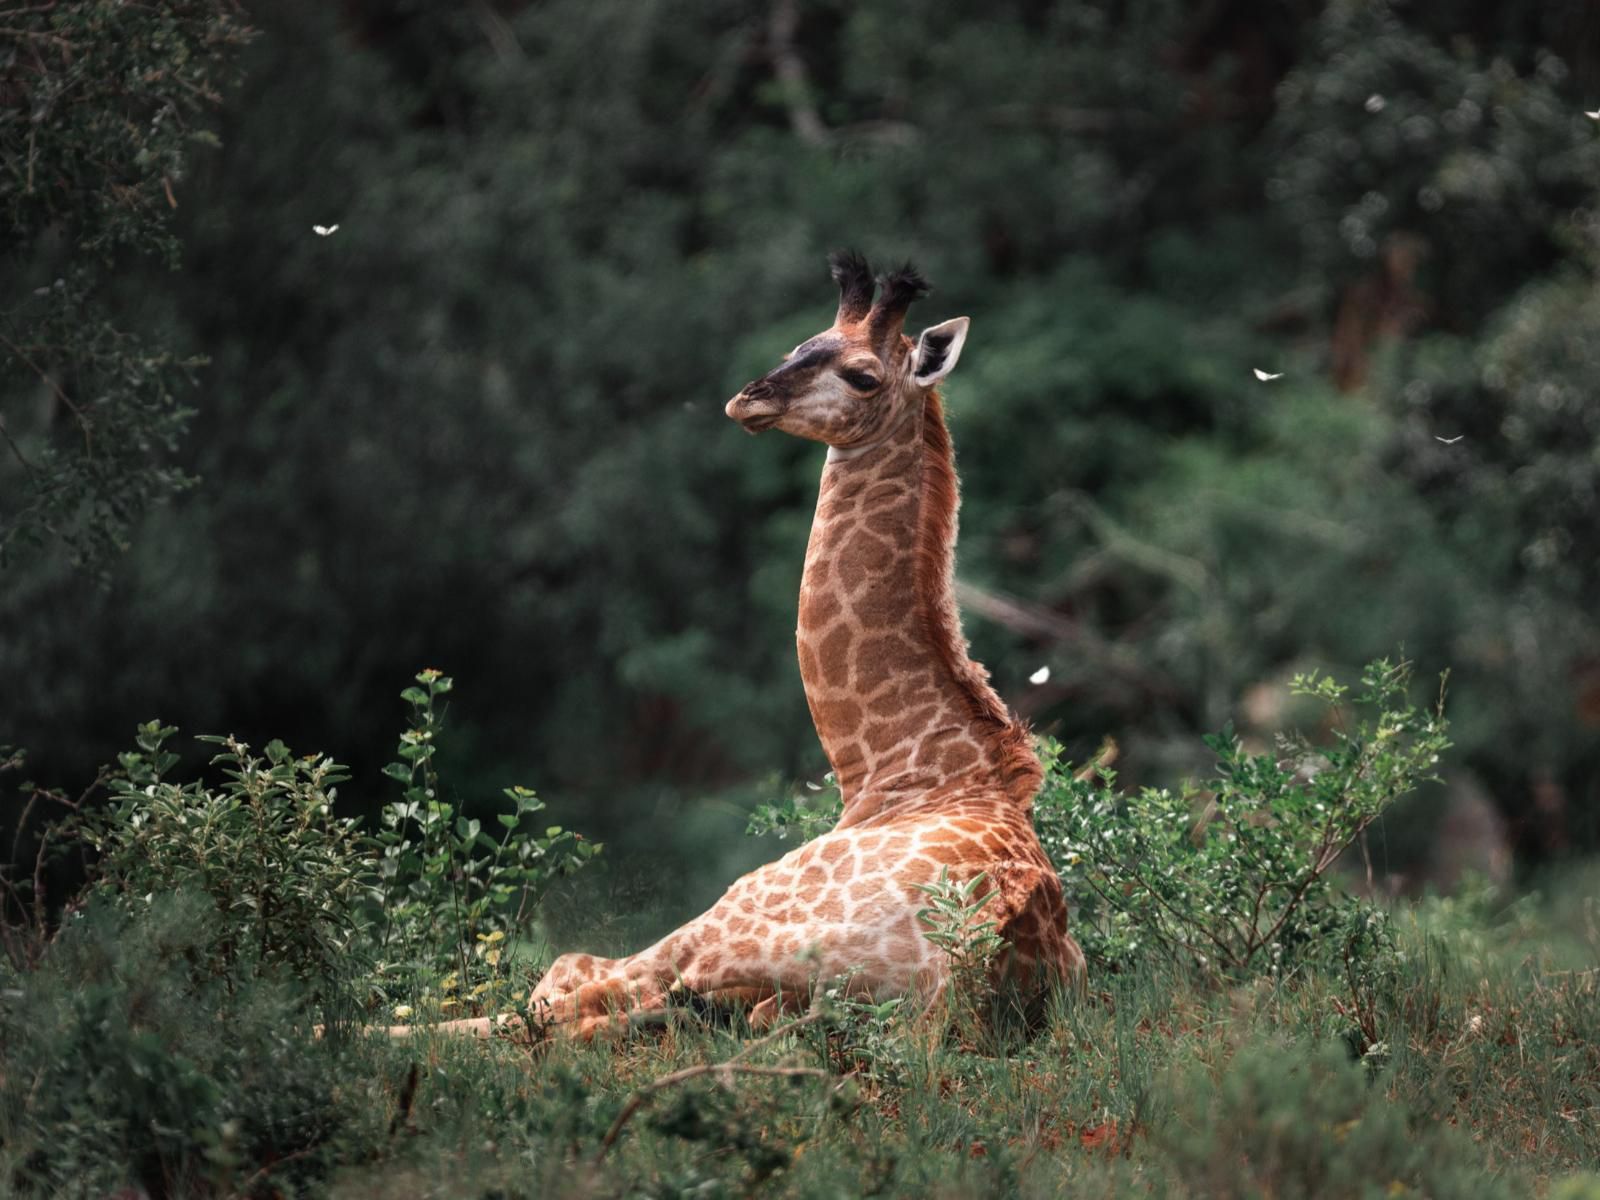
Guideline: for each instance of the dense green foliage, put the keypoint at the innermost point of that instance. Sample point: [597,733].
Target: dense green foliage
[264,847]
[162,1037]
[475,419]
[1231,874]
[426,913]
[128,1066]
[101,107]
[480,423]
[441,873]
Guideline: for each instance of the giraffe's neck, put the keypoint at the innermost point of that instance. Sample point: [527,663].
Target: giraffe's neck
[902,712]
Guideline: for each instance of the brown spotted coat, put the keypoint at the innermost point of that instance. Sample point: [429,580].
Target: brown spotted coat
[936,773]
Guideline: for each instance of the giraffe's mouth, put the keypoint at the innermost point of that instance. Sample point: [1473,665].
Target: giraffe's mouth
[754,413]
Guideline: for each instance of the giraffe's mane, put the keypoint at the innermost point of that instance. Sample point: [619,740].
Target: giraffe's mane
[934,568]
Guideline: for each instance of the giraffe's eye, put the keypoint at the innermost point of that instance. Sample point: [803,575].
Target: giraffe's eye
[860,380]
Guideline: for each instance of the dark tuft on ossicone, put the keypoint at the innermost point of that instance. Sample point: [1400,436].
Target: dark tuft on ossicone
[901,287]
[854,277]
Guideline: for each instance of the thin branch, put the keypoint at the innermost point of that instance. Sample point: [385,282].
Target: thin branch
[249,1185]
[16,450]
[639,1098]
[1029,619]
[1182,919]
[1103,758]
[1190,572]
[791,71]
[1153,929]
[497,30]
[36,34]
[1019,615]
[726,1070]
[1327,854]
[83,421]
[811,1018]
[882,132]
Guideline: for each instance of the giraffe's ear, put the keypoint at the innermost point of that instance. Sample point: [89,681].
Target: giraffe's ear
[937,350]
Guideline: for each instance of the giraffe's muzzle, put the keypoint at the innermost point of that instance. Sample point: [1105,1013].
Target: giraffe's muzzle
[756,408]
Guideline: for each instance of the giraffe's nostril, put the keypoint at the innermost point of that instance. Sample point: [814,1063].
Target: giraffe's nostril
[756,408]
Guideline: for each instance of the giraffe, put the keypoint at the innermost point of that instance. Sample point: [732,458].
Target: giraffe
[936,774]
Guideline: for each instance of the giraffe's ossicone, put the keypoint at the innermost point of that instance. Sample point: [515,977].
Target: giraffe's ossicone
[937,775]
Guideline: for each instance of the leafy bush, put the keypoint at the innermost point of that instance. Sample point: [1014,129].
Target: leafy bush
[128,1065]
[131,1063]
[954,922]
[452,904]
[106,104]
[282,872]
[803,817]
[1231,875]
[429,909]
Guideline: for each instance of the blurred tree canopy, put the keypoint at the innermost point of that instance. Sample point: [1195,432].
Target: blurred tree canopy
[100,104]
[479,426]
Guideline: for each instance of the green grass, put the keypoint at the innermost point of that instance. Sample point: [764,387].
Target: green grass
[121,1067]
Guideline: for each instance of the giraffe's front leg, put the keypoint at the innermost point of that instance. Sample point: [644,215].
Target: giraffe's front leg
[582,994]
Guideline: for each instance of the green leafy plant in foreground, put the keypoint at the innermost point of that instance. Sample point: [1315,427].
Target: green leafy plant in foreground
[131,1067]
[954,921]
[282,871]
[452,902]
[1232,875]
[428,912]
[805,817]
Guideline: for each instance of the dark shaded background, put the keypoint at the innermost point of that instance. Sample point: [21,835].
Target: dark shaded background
[479,428]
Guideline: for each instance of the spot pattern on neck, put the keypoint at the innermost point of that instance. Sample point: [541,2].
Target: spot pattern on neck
[903,713]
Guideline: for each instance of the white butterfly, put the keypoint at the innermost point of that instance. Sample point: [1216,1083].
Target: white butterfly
[1593,116]
[324,230]
[1264,376]
[1375,103]
[815,787]
[1449,441]
[1039,676]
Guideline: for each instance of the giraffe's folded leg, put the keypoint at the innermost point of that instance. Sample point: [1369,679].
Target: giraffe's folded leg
[762,1006]
[781,1003]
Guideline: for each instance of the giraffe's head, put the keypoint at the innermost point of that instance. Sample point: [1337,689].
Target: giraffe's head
[850,384]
